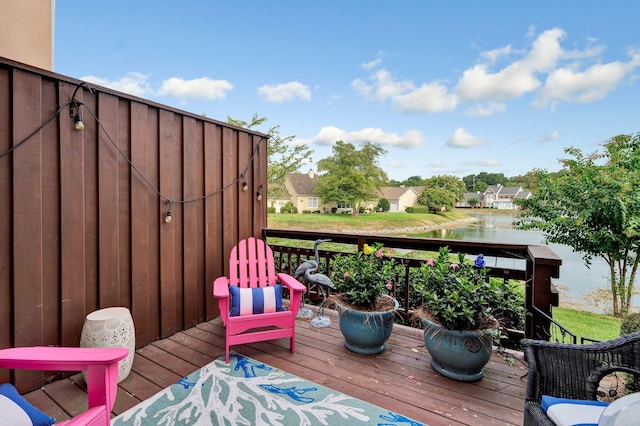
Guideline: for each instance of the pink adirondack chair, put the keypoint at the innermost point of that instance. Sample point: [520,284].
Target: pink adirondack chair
[249,297]
[100,364]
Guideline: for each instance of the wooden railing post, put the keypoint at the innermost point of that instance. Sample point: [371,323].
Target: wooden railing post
[542,265]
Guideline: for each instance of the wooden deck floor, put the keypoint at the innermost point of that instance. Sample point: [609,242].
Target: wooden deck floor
[400,379]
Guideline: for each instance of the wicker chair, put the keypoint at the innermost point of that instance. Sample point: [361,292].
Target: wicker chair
[574,371]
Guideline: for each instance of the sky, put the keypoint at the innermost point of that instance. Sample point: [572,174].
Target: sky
[445,87]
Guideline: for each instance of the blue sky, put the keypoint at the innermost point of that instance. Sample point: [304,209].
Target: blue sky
[446,87]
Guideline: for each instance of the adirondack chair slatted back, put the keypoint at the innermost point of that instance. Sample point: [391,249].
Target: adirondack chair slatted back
[251,264]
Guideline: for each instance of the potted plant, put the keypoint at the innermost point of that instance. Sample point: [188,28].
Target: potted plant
[362,281]
[457,313]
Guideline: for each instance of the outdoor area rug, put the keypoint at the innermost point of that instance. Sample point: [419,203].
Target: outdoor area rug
[248,392]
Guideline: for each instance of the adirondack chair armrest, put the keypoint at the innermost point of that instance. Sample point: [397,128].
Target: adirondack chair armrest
[59,358]
[296,290]
[221,288]
[291,283]
[101,365]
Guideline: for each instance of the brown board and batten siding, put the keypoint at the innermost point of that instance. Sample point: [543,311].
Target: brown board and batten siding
[82,229]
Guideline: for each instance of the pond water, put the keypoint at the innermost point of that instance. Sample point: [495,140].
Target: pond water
[579,285]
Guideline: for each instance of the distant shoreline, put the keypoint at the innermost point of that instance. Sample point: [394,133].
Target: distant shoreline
[434,227]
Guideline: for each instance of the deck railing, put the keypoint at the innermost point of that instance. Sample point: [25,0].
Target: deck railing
[536,265]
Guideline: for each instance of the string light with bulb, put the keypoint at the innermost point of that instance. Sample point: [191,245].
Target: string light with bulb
[245,185]
[168,218]
[76,104]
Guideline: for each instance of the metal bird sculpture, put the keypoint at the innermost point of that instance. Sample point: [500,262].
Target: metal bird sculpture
[299,274]
[306,272]
[323,283]
[309,263]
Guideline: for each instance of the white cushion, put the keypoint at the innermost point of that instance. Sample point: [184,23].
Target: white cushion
[572,412]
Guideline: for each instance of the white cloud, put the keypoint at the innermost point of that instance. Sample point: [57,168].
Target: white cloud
[285,92]
[134,83]
[463,139]
[550,137]
[330,134]
[384,86]
[368,66]
[571,85]
[486,110]
[197,88]
[516,79]
[361,88]
[432,97]
[493,55]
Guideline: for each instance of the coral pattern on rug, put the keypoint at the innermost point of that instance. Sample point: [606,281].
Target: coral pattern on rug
[248,392]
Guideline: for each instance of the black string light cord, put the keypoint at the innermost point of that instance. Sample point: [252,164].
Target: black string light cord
[242,175]
[32,134]
[75,103]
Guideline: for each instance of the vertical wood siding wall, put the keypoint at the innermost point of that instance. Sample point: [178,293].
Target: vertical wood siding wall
[81,229]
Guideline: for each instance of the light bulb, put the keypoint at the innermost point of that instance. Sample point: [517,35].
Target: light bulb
[168,218]
[79,123]
[259,194]
[245,186]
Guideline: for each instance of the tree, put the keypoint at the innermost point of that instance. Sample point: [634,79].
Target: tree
[442,192]
[473,202]
[352,175]
[283,156]
[384,204]
[481,186]
[593,206]
[437,199]
[413,181]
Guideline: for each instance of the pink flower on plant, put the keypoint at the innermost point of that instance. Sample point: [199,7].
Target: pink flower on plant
[455,266]
[430,262]
[379,254]
[389,285]
[346,274]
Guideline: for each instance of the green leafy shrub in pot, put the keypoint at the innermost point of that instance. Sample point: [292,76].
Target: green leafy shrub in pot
[457,293]
[362,278]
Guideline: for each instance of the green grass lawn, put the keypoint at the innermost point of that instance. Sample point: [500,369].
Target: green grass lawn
[588,324]
[396,221]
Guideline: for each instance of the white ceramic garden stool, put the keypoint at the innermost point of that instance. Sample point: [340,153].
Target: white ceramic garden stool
[111,328]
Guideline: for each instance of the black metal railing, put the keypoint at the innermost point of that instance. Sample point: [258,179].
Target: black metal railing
[556,332]
[534,264]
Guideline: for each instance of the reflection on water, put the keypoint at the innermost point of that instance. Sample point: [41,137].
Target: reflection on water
[577,282]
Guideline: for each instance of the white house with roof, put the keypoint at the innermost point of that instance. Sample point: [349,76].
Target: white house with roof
[501,197]
[299,189]
[400,197]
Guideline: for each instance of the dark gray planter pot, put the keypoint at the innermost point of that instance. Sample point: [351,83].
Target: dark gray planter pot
[365,332]
[459,355]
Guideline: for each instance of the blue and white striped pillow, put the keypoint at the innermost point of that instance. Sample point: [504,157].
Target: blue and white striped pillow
[250,301]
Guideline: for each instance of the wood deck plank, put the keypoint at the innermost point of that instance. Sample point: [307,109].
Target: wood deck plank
[399,379]
[40,399]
